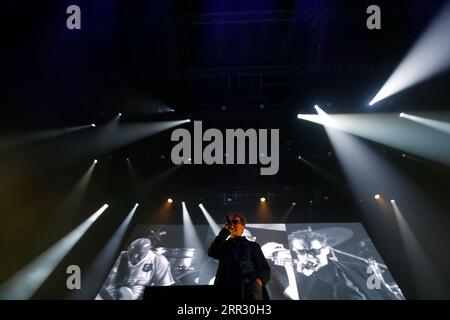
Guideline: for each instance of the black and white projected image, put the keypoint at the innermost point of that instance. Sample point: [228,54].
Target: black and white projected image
[338,262]
[156,256]
[274,245]
[332,261]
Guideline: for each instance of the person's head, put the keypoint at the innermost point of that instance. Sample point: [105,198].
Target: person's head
[310,250]
[138,250]
[239,225]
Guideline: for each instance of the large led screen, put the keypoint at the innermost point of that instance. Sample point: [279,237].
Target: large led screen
[332,261]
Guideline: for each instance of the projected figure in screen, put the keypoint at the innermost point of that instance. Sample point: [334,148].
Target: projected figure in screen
[137,267]
[324,272]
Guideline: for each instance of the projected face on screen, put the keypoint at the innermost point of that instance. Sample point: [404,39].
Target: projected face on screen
[310,251]
[331,261]
[138,250]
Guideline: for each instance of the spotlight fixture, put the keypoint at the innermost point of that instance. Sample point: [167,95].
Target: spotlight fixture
[401,115]
[93,125]
[262,199]
[169,200]
[299,116]
[200,205]
[392,201]
[293,203]
[95,160]
[377,196]
[120,114]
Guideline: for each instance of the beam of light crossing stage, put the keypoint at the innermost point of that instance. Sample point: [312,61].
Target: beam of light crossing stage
[423,270]
[73,201]
[28,280]
[435,124]
[429,56]
[369,174]
[421,161]
[143,186]
[391,130]
[320,171]
[12,141]
[139,105]
[366,171]
[191,239]
[285,217]
[105,139]
[313,118]
[213,224]
[132,171]
[131,132]
[110,138]
[102,262]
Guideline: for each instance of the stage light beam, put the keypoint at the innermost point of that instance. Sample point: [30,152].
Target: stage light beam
[429,56]
[435,124]
[321,118]
[72,203]
[421,264]
[370,173]
[212,223]
[406,136]
[288,212]
[13,141]
[103,260]
[191,239]
[28,280]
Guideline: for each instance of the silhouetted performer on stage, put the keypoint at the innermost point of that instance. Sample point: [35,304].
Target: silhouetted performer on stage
[243,270]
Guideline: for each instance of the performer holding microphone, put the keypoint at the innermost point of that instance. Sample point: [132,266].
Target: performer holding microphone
[243,270]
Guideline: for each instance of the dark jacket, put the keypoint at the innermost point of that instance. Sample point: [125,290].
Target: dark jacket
[240,261]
